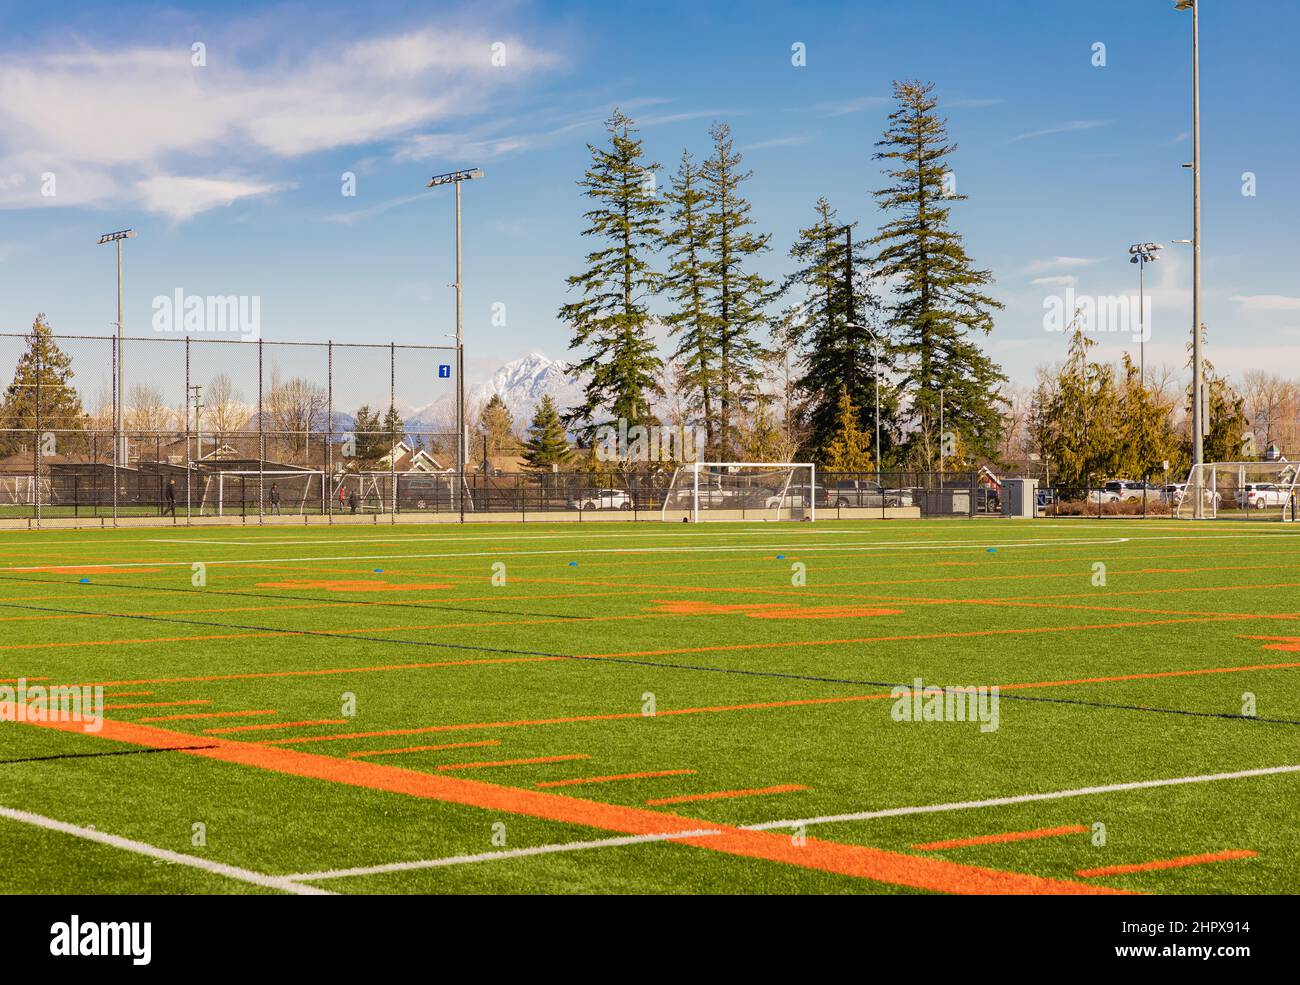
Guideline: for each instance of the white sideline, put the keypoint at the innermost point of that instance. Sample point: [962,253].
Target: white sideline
[1024,798]
[283,883]
[434,863]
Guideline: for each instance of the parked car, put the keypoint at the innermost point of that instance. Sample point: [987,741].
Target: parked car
[987,500]
[1128,491]
[602,499]
[800,497]
[866,492]
[1175,491]
[1260,495]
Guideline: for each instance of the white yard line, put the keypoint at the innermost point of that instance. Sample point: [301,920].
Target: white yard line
[1019,799]
[436,863]
[282,883]
[862,545]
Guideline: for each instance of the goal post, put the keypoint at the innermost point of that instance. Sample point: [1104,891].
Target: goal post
[1238,490]
[701,491]
[223,492]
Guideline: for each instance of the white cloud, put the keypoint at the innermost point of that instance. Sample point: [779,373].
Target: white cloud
[1060,263]
[1070,127]
[1061,280]
[102,119]
[1267,302]
[181,198]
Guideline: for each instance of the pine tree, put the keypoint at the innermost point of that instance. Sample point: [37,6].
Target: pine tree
[498,426]
[1076,420]
[834,281]
[60,409]
[688,284]
[1223,432]
[547,444]
[371,439]
[938,302]
[611,321]
[849,450]
[737,295]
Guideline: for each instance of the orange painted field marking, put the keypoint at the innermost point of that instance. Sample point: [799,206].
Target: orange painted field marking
[364,753]
[448,767]
[157,704]
[1015,631]
[321,672]
[584,780]
[153,639]
[1003,838]
[769,610]
[608,717]
[761,705]
[896,868]
[272,725]
[200,715]
[725,794]
[1286,644]
[128,694]
[351,586]
[87,569]
[1168,863]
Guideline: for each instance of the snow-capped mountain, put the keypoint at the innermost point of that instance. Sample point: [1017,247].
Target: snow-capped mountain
[520,383]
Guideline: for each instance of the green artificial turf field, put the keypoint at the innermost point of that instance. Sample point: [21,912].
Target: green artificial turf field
[655,708]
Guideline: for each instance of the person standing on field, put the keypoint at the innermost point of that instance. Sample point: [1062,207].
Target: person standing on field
[275,499]
[170,492]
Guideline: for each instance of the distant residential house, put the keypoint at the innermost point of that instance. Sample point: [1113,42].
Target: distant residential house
[407,459]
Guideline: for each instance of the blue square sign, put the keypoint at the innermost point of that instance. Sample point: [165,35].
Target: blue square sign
[444,372]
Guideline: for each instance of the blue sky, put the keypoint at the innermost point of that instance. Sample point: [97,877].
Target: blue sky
[231,171]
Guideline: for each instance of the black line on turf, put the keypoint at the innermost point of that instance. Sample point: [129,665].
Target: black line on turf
[174,620]
[94,755]
[699,668]
[303,598]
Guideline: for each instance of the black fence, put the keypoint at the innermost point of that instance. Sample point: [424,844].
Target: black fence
[250,490]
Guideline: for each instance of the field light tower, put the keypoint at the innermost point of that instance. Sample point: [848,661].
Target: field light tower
[117,238]
[455,178]
[1142,254]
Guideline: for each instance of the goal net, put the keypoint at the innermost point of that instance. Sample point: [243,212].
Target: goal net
[742,491]
[232,492]
[1238,490]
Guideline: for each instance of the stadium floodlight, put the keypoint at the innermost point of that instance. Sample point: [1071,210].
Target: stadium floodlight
[455,178]
[117,237]
[1142,254]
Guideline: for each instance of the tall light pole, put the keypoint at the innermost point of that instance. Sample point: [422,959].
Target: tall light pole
[1142,254]
[455,178]
[1198,381]
[117,238]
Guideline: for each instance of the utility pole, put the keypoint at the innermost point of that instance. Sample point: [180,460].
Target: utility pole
[1198,375]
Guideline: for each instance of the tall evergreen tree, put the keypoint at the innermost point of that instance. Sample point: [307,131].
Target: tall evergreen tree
[498,427]
[837,353]
[939,302]
[738,296]
[611,320]
[689,285]
[46,369]
[849,449]
[371,439]
[547,444]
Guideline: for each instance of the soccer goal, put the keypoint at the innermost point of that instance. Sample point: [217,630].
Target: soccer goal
[742,491]
[1240,490]
[234,492]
